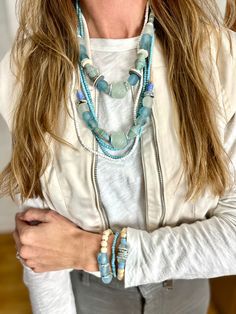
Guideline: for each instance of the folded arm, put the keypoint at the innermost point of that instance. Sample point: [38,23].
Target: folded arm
[50,292]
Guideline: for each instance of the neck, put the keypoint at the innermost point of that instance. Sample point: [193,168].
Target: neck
[114,19]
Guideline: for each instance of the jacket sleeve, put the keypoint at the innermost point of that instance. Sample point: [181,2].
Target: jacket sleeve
[50,292]
[203,249]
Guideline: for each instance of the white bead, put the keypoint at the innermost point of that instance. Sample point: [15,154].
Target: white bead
[149,29]
[104,243]
[105,237]
[104,250]
[106,232]
[135,71]
[86,61]
[143,52]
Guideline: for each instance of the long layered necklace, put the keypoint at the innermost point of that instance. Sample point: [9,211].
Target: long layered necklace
[113,144]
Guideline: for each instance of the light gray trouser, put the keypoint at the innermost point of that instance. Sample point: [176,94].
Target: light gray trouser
[94,297]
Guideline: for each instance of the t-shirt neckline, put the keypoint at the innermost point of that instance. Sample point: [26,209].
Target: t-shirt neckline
[113,45]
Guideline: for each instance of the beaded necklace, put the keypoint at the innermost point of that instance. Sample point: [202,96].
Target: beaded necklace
[117,141]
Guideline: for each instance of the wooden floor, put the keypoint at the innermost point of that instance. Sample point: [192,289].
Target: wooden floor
[13,295]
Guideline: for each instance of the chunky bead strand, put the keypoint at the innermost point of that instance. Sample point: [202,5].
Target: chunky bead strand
[118,141]
[103,260]
[118,90]
[113,259]
[122,254]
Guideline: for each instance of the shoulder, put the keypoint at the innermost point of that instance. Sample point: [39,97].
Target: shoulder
[8,88]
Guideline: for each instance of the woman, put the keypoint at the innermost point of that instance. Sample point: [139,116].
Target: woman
[160,163]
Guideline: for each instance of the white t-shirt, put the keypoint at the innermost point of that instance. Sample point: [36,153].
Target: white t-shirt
[120,182]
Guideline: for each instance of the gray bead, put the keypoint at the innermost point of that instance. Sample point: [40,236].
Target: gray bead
[142,53]
[140,63]
[149,93]
[91,71]
[141,121]
[119,140]
[149,29]
[148,101]
[134,131]
[151,18]
[119,89]
[82,108]
[92,124]
[102,134]
[107,279]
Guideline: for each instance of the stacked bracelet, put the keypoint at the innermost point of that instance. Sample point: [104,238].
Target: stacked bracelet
[122,254]
[113,259]
[103,260]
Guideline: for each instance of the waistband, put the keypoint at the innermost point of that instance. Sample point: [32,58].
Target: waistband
[88,278]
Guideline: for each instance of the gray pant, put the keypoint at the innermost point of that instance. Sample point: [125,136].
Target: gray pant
[94,297]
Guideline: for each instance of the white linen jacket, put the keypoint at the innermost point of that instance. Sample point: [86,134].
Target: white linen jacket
[184,239]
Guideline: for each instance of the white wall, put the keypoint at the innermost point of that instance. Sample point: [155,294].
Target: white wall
[8,26]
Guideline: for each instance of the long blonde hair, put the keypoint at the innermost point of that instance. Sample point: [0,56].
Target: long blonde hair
[46,53]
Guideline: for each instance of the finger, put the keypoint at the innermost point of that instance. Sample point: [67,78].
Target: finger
[30,263]
[17,240]
[21,226]
[36,215]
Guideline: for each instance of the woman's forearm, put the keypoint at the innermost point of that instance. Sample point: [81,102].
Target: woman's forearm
[204,249]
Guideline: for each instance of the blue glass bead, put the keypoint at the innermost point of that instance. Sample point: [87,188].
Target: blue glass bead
[83,56]
[82,49]
[105,269]
[119,140]
[102,258]
[140,63]
[80,95]
[150,87]
[121,265]
[87,115]
[123,241]
[103,86]
[107,279]
[141,120]
[144,112]
[91,71]
[83,53]
[105,273]
[133,79]
[145,42]
[82,107]
[134,131]
[92,124]
[119,89]
[102,134]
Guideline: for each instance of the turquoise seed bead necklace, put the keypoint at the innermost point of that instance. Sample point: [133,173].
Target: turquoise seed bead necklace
[116,141]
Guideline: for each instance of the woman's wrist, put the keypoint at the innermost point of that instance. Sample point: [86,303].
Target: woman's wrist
[91,245]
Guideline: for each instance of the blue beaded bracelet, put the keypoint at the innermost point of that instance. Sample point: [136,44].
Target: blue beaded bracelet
[103,260]
[122,254]
[113,258]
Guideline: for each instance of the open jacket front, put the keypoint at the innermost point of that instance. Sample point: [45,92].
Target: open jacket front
[184,239]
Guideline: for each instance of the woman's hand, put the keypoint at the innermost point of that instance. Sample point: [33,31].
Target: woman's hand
[47,241]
